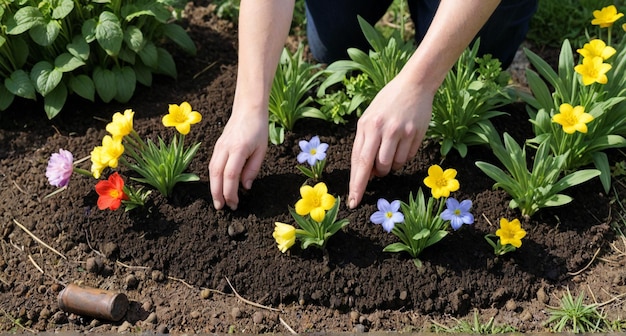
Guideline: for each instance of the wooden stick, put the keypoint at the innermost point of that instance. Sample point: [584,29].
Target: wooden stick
[38,240]
[248,301]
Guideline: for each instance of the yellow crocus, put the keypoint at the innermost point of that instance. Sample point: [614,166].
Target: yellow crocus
[285,236]
[97,162]
[510,233]
[181,117]
[596,48]
[572,118]
[441,182]
[606,16]
[593,70]
[106,155]
[315,201]
[121,125]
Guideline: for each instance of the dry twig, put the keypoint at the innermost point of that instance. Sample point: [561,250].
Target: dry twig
[34,263]
[587,266]
[248,301]
[38,240]
[287,326]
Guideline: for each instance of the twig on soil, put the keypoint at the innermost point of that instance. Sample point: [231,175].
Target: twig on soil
[587,266]
[34,263]
[204,70]
[19,188]
[287,326]
[592,295]
[248,301]
[16,321]
[128,266]
[38,240]
[611,300]
[181,281]
[89,244]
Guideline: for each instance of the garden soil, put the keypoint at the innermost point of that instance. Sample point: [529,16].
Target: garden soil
[187,268]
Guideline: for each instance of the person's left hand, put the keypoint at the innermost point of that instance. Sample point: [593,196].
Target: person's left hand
[389,133]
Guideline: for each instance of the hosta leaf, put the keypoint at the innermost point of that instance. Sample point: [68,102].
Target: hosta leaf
[166,63]
[109,33]
[134,38]
[83,86]
[54,101]
[149,55]
[6,98]
[45,77]
[104,80]
[66,62]
[24,19]
[88,30]
[125,82]
[143,73]
[78,48]
[20,85]
[45,34]
[62,8]
[179,36]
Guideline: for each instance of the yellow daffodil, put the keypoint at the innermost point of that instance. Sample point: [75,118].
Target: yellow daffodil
[315,201]
[121,125]
[606,16]
[572,118]
[97,162]
[510,232]
[596,48]
[285,236]
[181,117]
[593,70]
[441,182]
[106,155]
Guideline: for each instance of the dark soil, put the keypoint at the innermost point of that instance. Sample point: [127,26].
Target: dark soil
[175,258]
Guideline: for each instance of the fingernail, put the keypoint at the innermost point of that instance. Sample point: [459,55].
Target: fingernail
[352,203]
[217,204]
[247,184]
[232,206]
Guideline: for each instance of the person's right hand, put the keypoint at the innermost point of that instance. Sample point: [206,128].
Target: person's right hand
[237,157]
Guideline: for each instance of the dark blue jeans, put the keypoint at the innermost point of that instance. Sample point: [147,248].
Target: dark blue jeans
[332,26]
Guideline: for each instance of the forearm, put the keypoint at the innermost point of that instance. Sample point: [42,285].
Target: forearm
[455,24]
[263,29]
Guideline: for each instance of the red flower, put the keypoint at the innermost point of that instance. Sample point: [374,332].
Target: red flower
[111,192]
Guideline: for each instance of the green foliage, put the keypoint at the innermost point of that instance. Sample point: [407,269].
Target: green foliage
[476,326]
[539,187]
[56,48]
[387,57]
[467,100]
[575,316]
[603,102]
[229,10]
[422,226]
[555,21]
[288,101]
[316,233]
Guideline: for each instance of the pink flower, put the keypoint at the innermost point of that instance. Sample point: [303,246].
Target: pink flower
[60,168]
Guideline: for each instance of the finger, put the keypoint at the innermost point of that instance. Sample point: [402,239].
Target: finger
[386,156]
[362,161]
[402,154]
[232,174]
[216,175]
[251,168]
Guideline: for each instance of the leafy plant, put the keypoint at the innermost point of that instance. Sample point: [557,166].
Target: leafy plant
[288,101]
[387,57]
[539,187]
[467,100]
[56,48]
[576,316]
[476,326]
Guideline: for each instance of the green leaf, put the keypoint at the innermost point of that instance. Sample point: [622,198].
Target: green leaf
[78,48]
[143,74]
[45,77]
[435,237]
[54,101]
[424,233]
[62,9]
[149,55]
[109,33]
[6,98]
[166,64]
[187,177]
[179,36]
[575,178]
[66,62]
[397,247]
[134,38]
[83,86]
[374,38]
[104,80]
[601,161]
[45,34]
[88,30]
[125,82]
[557,200]
[20,85]
[24,19]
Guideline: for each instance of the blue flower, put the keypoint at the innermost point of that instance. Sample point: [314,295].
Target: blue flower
[387,214]
[312,151]
[457,213]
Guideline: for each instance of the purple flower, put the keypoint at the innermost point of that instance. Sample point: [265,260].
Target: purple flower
[387,214]
[60,168]
[457,213]
[312,151]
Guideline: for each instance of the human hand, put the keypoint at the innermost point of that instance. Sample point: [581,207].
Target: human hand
[389,133]
[237,156]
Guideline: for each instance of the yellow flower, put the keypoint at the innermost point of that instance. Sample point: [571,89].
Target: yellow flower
[97,162]
[441,182]
[510,232]
[606,16]
[181,117]
[624,26]
[593,70]
[121,125]
[596,48]
[285,236]
[572,118]
[106,155]
[315,201]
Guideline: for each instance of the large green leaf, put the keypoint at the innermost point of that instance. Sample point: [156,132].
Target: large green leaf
[125,81]
[83,86]
[134,38]
[20,85]
[109,33]
[62,8]
[6,98]
[24,19]
[45,34]
[179,36]
[66,62]
[149,55]
[78,47]
[104,80]
[166,63]
[45,77]
[54,101]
